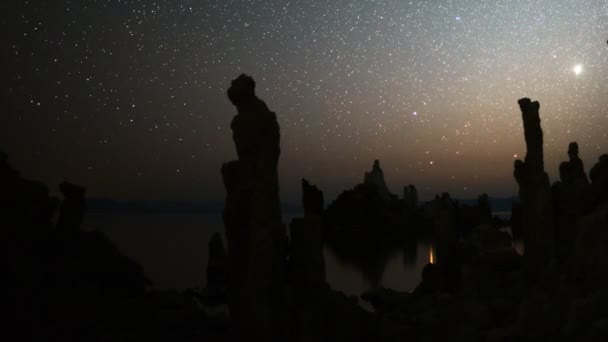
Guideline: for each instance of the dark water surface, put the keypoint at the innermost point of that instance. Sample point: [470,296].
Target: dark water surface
[172,248]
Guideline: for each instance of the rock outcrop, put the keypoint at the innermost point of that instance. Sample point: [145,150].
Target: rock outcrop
[312,200]
[369,205]
[25,205]
[375,178]
[59,278]
[535,195]
[72,207]
[366,224]
[252,218]
[214,292]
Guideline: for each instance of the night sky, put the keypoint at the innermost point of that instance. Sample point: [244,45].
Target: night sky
[128,97]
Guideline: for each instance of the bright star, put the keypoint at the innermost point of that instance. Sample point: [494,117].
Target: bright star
[578,69]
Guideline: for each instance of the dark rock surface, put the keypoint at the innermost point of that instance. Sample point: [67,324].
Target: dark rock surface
[312,199]
[72,207]
[307,280]
[410,197]
[214,292]
[588,264]
[60,282]
[599,179]
[444,213]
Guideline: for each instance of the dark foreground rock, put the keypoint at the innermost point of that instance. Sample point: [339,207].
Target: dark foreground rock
[60,282]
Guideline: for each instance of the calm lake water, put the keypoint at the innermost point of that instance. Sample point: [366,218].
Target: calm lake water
[173,252]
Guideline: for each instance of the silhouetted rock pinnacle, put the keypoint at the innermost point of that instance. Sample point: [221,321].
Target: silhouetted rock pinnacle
[534,192]
[312,199]
[252,218]
[376,178]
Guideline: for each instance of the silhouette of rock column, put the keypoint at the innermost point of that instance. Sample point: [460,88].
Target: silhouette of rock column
[252,218]
[535,195]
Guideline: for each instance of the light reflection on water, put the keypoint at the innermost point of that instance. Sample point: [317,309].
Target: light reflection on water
[173,252]
[399,272]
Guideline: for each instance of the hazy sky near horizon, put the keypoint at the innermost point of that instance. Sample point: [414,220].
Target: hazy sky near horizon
[127,97]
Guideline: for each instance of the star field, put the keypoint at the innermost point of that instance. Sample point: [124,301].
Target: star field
[128,97]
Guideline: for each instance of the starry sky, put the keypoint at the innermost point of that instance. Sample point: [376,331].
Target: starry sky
[127,97]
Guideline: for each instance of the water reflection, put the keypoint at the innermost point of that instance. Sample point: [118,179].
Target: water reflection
[410,253]
[174,253]
[399,269]
[371,264]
